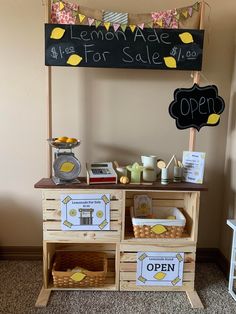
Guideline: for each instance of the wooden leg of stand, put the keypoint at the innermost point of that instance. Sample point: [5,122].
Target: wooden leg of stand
[194,299]
[43,297]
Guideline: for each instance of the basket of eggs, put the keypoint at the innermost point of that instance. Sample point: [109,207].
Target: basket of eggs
[64,142]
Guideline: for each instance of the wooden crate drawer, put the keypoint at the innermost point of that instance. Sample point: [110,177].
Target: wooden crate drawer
[52,218]
[128,267]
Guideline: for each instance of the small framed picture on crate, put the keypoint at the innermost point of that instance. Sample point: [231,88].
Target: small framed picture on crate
[142,206]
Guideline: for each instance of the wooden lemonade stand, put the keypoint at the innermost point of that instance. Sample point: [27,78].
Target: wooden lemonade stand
[119,243]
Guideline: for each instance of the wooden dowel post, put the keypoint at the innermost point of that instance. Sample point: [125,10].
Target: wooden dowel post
[196,80]
[47,5]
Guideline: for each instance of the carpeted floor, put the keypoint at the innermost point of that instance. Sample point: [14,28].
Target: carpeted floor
[20,284]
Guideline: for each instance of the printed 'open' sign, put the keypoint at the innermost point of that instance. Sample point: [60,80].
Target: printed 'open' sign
[196,107]
[159,269]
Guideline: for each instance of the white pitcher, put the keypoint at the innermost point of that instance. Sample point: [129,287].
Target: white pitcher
[150,168]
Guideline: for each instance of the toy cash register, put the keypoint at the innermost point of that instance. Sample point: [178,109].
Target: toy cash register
[98,173]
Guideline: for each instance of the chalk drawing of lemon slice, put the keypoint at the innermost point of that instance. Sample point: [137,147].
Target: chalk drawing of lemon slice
[74,60]
[100,214]
[57,33]
[186,38]
[73,212]
[170,62]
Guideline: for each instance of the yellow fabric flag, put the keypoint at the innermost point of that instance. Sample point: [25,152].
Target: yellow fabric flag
[160,23]
[132,27]
[81,17]
[107,25]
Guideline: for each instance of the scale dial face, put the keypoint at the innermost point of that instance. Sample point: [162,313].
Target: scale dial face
[66,167]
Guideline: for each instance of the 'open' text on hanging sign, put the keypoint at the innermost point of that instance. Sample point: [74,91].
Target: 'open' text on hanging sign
[196,107]
[159,269]
[150,48]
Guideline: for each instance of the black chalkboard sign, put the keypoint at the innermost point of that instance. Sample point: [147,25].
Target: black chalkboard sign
[150,48]
[196,107]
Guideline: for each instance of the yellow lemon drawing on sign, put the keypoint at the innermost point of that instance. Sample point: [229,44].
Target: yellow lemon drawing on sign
[186,38]
[73,212]
[74,60]
[78,276]
[67,167]
[158,229]
[213,118]
[160,276]
[170,62]
[100,214]
[57,33]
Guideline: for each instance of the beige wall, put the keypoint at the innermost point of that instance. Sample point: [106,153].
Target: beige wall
[229,206]
[118,114]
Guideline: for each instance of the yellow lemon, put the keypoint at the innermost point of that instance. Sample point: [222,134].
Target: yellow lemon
[57,33]
[62,139]
[74,60]
[186,38]
[71,140]
[170,62]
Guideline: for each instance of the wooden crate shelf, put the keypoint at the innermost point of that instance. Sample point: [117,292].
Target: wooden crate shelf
[119,242]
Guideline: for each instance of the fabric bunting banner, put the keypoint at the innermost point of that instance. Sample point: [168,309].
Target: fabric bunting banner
[64,12]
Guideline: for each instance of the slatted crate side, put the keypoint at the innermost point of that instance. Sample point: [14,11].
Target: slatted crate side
[82,236]
[128,268]
[191,213]
[159,203]
[56,194]
[164,195]
[56,226]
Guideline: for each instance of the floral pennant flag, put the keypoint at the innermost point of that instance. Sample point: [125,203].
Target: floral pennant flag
[63,12]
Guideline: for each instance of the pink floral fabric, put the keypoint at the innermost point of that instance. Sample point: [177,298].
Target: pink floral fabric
[65,16]
[167,17]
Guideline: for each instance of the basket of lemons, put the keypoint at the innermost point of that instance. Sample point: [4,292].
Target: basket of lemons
[64,142]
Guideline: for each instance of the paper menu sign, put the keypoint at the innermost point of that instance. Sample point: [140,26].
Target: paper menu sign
[193,163]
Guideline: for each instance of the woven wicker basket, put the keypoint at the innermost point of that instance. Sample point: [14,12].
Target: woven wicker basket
[93,271]
[145,228]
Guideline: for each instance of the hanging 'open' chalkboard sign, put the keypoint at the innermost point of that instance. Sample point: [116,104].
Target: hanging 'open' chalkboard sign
[148,48]
[196,107]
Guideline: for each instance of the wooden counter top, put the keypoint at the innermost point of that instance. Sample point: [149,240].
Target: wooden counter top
[47,183]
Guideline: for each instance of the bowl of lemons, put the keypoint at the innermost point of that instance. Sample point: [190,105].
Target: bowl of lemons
[64,142]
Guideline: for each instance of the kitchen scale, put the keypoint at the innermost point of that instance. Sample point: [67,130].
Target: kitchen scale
[66,166]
